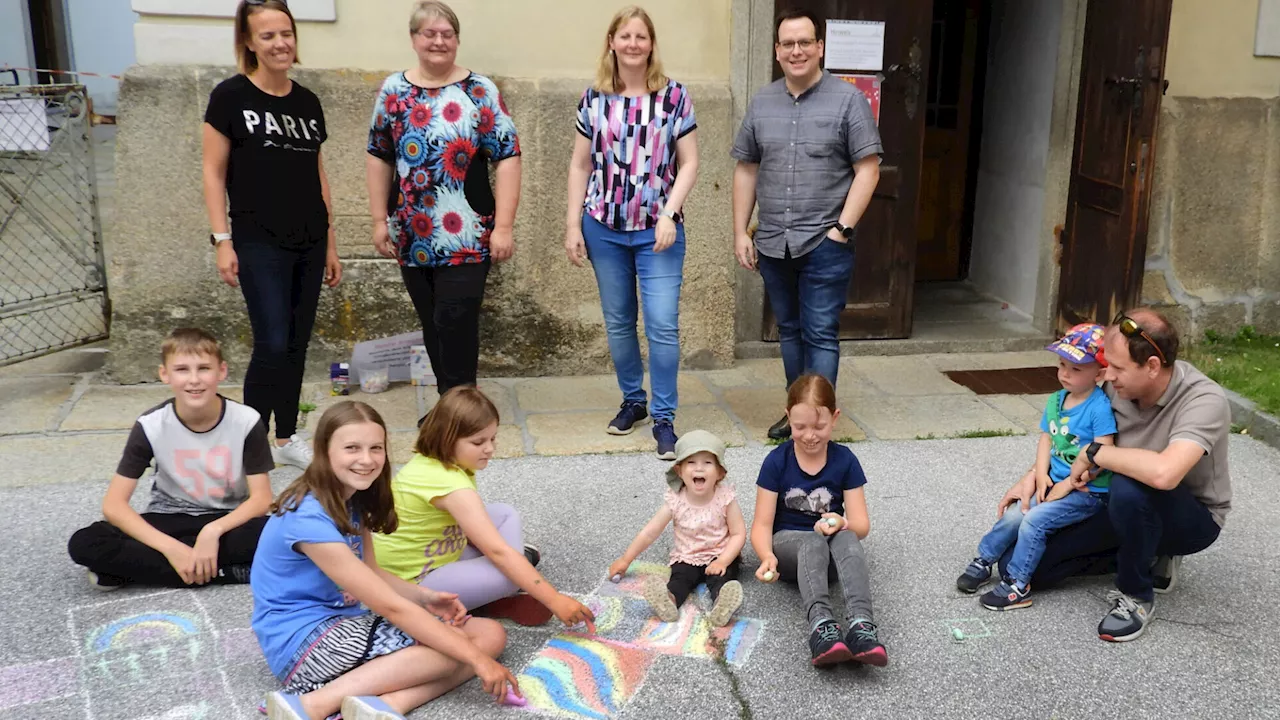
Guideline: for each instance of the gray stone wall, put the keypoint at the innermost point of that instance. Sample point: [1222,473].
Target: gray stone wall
[542,316]
[1213,251]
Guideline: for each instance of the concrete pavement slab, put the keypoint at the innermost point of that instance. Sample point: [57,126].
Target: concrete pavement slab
[906,376]
[759,408]
[905,418]
[1018,409]
[993,361]
[52,459]
[115,407]
[74,361]
[69,652]
[32,404]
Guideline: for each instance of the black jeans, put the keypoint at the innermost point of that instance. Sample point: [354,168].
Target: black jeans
[685,577]
[1140,524]
[448,302]
[281,290]
[108,551]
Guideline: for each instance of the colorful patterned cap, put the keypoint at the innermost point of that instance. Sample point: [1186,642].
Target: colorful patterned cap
[690,444]
[1082,344]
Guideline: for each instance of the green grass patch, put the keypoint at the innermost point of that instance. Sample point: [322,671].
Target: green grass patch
[1247,363]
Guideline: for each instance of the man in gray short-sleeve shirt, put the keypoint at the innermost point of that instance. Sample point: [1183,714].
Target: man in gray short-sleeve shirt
[808,154]
[1171,488]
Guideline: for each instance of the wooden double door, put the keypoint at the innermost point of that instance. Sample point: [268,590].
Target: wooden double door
[929,147]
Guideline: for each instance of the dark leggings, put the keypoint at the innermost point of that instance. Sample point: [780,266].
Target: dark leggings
[448,302]
[108,551]
[685,577]
[281,291]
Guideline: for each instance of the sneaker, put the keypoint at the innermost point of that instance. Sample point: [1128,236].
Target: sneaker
[521,609]
[974,577]
[826,646]
[1008,595]
[864,642]
[238,573]
[1128,618]
[1164,574]
[104,583]
[296,453]
[284,706]
[665,433]
[368,707]
[625,422]
[780,430]
[532,554]
[727,603]
[655,593]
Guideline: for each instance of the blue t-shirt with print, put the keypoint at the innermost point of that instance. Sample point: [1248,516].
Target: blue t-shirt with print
[803,498]
[291,595]
[1074,430]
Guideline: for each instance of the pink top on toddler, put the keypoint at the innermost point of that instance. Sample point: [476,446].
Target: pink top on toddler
[702,531]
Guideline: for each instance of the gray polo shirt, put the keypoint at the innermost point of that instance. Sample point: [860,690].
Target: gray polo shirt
[806,147]
[1193,408]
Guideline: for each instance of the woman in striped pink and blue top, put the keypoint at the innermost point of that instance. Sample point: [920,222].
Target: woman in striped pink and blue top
[634,162]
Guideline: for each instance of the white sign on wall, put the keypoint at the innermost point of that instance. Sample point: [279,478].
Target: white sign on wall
[315,10]
[23,125]
[1266,41]
[854,45]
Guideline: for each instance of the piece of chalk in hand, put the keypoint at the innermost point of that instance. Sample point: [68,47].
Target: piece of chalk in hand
[831,522]
[513,699]
[768,575]
[617,578]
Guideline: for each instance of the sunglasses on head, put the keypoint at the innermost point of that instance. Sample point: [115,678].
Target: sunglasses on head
[1130,328]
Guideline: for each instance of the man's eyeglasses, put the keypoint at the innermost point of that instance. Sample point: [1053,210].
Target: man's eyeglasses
[790,45]
[433,34]
[1130,328]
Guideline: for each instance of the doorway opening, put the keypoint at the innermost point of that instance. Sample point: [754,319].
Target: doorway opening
[992,74]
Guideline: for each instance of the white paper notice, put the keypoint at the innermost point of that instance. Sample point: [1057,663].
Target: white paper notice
[855,45]
[23,125]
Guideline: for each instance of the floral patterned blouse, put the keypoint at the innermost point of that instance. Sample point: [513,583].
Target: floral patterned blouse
[441,209]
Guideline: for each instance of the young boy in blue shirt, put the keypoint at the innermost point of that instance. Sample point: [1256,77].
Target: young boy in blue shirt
[1075,416]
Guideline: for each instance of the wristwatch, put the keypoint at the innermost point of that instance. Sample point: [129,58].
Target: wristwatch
[215,238]
[1091,451]
[675,215]
[845,231]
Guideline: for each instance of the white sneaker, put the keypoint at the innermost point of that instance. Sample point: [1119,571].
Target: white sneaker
[297,453]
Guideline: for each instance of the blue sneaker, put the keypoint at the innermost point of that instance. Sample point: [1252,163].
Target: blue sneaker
[665,433]
[625,422]
[368,707]
[283,706]
[975,576]
[1008,595]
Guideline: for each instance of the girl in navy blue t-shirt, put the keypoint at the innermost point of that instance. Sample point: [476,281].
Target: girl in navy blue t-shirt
[811,515]
[340,632]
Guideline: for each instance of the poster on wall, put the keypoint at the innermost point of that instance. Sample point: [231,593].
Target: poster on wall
[23,125]
[869,85]
[854,45]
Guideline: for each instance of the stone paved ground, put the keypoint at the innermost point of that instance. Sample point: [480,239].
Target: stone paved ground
[68,652]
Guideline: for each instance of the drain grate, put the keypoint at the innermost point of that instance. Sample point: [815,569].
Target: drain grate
[1016,381]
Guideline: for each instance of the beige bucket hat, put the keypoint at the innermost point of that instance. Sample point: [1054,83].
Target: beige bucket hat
[690,444]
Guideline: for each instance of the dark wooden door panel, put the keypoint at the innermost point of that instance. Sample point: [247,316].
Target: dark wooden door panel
[879,299]
[1105,234]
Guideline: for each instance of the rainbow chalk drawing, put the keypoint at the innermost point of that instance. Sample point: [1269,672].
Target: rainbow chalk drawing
[142,629]
[576,676]
[582,676]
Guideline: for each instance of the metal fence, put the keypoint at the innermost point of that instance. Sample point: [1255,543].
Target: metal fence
[53,285]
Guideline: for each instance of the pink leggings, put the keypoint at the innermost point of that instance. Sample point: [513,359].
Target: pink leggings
[474,577]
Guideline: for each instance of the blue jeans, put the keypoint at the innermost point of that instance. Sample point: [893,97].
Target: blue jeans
[1028,534]
[619,258]
[1150,522]
[807,294]
[281,289]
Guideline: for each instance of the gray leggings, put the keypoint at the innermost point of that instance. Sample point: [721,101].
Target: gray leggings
[806,557]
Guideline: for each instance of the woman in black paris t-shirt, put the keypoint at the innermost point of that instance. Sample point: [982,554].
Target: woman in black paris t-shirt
[262,137]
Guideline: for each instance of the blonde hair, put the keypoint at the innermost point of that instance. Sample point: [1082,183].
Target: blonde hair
[433,10]
[813,390]
[461,412]
[246,59]
[189,341]
[607,80]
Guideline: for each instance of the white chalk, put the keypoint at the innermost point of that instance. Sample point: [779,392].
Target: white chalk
[768,575]
[831,522]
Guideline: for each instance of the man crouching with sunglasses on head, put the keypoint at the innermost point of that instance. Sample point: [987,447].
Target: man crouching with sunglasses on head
[1170,488]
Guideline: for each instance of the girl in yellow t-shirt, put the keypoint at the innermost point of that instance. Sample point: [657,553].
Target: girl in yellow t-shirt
[450,540]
